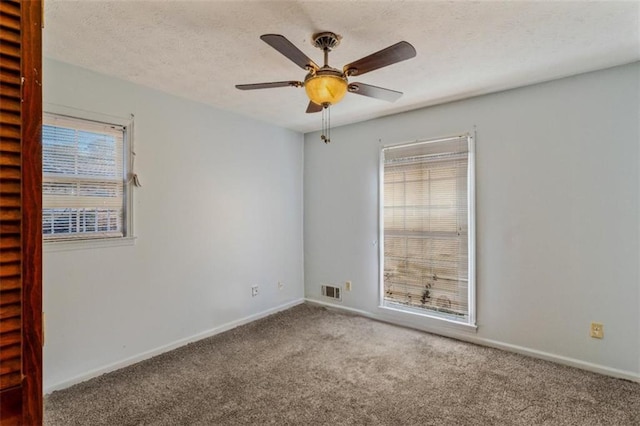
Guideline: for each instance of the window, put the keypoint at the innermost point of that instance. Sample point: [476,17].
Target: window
[84,195]
[427,227]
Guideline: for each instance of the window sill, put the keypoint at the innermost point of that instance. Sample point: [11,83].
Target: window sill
[436,321]
[53,246]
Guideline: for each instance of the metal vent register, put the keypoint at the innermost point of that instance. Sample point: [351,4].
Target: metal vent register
[331,292]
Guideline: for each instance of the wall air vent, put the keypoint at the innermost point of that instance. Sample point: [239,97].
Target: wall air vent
[331,292]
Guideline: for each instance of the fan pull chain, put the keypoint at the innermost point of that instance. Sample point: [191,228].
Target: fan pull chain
[326,124]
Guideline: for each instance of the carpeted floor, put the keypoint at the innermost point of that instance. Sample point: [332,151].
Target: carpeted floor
[309,365]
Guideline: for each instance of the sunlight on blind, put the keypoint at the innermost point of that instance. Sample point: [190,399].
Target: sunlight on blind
[426,226]
[83,179]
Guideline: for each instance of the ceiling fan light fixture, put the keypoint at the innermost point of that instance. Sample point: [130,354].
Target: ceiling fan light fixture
[323,89]
[326,86]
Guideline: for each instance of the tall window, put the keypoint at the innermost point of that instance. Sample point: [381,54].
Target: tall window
[83,185]
[427,220]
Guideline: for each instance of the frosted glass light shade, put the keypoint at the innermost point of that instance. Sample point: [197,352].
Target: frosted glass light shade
[325,89]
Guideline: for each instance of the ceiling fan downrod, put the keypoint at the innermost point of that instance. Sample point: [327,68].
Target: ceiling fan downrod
[326,41]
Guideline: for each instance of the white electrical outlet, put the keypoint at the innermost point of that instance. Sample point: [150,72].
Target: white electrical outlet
[254,291]
[280,285]
[347,286]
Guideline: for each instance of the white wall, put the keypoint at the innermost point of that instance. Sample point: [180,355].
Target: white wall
[220,210]
[557,215]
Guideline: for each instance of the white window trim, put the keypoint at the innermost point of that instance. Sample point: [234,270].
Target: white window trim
[129,239]
[53,246]
[471,323]
[399,312]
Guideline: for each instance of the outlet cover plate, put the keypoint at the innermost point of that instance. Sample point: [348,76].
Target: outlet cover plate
[597,330]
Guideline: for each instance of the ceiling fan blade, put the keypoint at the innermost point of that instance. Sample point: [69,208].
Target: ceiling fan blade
[284,46]
[374,92]
[269,85]
[396,53]
[313,107]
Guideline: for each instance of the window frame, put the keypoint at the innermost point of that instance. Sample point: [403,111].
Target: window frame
[128,237]
[471,320]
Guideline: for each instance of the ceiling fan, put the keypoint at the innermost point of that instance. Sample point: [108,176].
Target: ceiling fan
[325,85]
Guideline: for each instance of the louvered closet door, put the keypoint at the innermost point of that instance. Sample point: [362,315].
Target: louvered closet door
[10,199]
[20,212]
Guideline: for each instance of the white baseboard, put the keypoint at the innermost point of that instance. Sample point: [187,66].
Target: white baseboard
[472,338]
[165,348]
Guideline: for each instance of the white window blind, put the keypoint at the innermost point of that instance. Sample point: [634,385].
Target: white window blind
[426,226]
[83,183]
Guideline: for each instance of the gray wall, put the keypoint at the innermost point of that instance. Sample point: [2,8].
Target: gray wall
[220,210]
[557,215]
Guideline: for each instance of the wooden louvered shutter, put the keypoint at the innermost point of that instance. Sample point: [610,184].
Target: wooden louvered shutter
[20,212]
[10,200]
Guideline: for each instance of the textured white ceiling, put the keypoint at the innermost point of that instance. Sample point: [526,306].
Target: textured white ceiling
[201,49]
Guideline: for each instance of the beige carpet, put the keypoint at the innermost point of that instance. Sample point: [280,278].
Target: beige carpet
[309,365]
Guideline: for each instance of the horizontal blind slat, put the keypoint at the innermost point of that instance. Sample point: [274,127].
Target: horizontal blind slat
[53,201]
